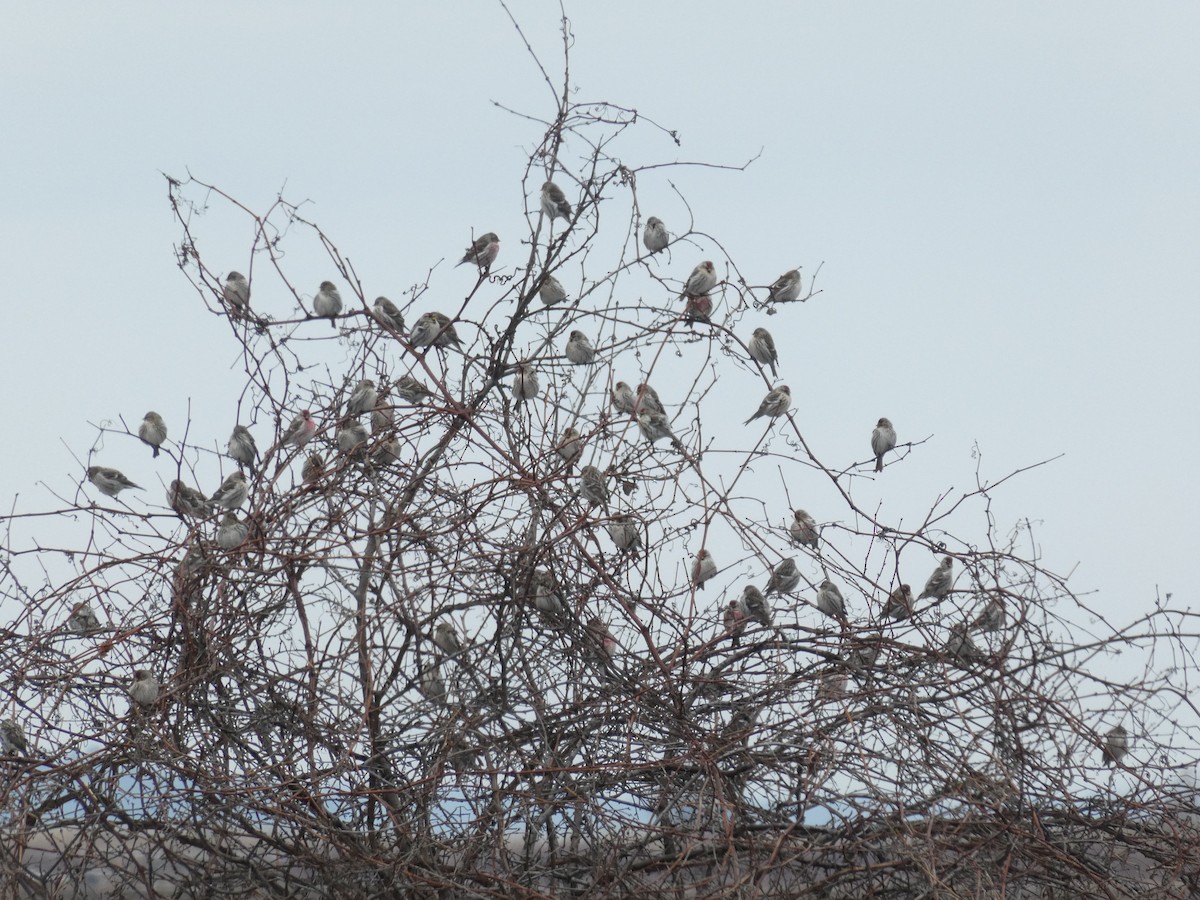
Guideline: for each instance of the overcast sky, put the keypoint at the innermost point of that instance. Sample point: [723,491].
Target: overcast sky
[1004,200]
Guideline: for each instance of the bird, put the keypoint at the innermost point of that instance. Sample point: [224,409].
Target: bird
[482,252]
[110,482]
[655,237]
[547,595]
[363,398]
[579,349]
[762,350]
[144,688]
[864,655]
[554,202]
[774,404]
[623,398]
[899,603]
[990,617]
[883,439]
[431,686]
[387,312]
[654,426]
[386,453]
[328,302]
[241,447]
[446,639]
[830,600]
[593,486]
[301,431]
[734,621]
[232,532]
[832,685]
[784,578]
[232,493]
[698,309]
[570,446]
[938,585]
[647,398]
[186,501]
[434,329]
[755,606]
[314,468]
[552,291]
[412,390]
[960,646]
[785,288]
[236,292]
[383,417]
[702,280]
[625,533]
[598,631]
[524,383]
[83,619]
[12,738]
[1116,745]
[703,568]
[803,529]
[351,438]
[153,431]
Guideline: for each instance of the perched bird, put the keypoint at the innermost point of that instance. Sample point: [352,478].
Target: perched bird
[598,631]
[786,287]
[899,603]
[301,431]
[108,481]
[388,313]
[186,501]
[832,685]
[1116,745]
[734,621]
[938,585]
[412,391]
[387,453]
[625,533]
[232,532]
[883,439]
[990,618]
[754,605]
[434,330]
[698,309]
[655,236]
[241,447]
[83,619]
[803,529]
[524,383]
[12,738]
[547,595]
[153,431]
[623,398]
[762,350]
[702,280]
[703,568]
[774,404]
[351,438]
[237,292]
[569,446]
[446,639]
[784,578]
[593,486]
[552,291]
[830,600]
[554,202]
[654,426]
[383,417]
[431,686]
[314,468]
[864,655]
[960,646]
[647,398]
[363,398]
[579,349]
[328,303]
[482,252]
[232,493]
[144,688]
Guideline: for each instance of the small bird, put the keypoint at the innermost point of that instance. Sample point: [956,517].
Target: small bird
[655,237]
[899,603]
[431,686]
[383,417]
[784,578]
[108,481]
[232,532]
[446,639]
[547,595]
[1116,745]
[774,404]
[625,533]
[703,568]
[301,431]
[153,431]
[569,446]
[314,468]
[786,287]
[598,631]
[144,688]
[593,486]
[237,292]
[434,329]
[883,439]
[552,291]
[386,453]
[524,383]
[990,618]
[482,252]
[960,646]
[866,653]
[232,493]
[832,685]
[623,398]
[698,309]
[762,350]
[803,529]
[754,605]
[734,621]
[938,585]
[328,303]
[654,426]
[363,398]
[12,739]
[830,600]
[702,280]
[83,619]
[579,349]
[412,391]
[554,202]
[241,447]
[351,438]
[186,501]
[647,398]
[389,314]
